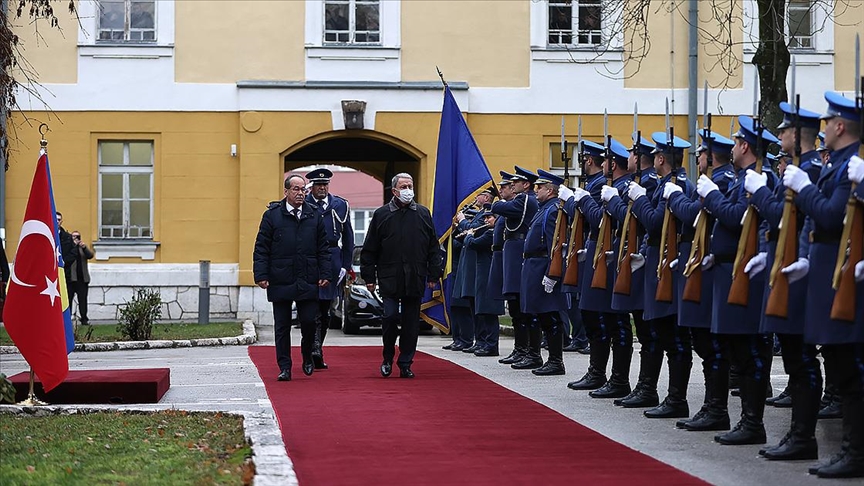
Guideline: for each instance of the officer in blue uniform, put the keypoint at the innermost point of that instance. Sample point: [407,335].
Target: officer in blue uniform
[714,156]
[738,326]
[461,314]
[674,340]
[541,295]
[495,283]
[486,309]
[620,332]
[842,342]
[799,359]
[518,214]
[340,237]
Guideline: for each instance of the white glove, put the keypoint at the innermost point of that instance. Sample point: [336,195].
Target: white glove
[581,255]
[548,284]
[637,261]
[705,186]
[673,264]
[756,264]
[856,169]
[754,181]
[799,269]
[610,257]
[708,262]
[635,191]
[669,188]
[342,273]
[795,179]
[859,271]
[564,193]
[607,193]
[579,193]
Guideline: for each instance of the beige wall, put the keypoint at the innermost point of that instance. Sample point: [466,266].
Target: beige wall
[231,40]
[51,56]
[483,42]
[850,21]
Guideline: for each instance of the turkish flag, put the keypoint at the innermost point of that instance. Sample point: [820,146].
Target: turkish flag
[36,298]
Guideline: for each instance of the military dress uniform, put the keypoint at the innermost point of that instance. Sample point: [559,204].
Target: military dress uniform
[713,415]
[461,314]
[486,309]
[340,237]
[738,326]
[518,213]
[542,301]
[463,284]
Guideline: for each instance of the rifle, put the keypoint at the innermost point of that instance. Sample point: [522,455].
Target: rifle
[556,266]
[630,233]
[748,244]
[693,269]
[787,241]
[669,233]
[604,236]
[852,241]
[577,227]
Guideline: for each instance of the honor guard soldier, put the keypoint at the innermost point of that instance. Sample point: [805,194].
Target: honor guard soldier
[541,295]
[494,287]
[486,309]
[518,214]
[714,157]
[737,326]
[825,204]
[461,314]
[340,237]
[675,341]
[799,359]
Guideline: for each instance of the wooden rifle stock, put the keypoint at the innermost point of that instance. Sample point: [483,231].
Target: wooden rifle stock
[852,244]
[624,281]
[604,244]
[668,252]
[748,246]
[693,270]
[577,241]
[786,254]
[556,267]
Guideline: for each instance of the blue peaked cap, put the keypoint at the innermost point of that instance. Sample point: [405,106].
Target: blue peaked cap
[719,143]
[619,151]
[319,176]
[807,118]
[506,178]
[840,107]
[644,146]
[661,139]
[546,177]
[524,175]
[593,149]
[747,131]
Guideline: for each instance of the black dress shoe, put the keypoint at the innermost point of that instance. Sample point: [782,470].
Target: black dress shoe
[471,349]
[405,372]
[669,409]
[794,450]
[458,347]
[285,375]
[681,424]
[851,465]
[814,469]
[319,363]
[831,411]
[573,346]
[646,398]
[386,369]
[611,390]
[743,433]
[551,368]
[449,346]
[514,357]
[783,395]
[588,382]
[308,368]
[486,352]
[528,363]
[712,420]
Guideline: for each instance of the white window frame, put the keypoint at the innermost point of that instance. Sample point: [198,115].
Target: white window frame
[88,30]
[575,33]
[389,24]
[352,23]
[810,39]
[127,24]
[821,22]
[367,218]
[125,170]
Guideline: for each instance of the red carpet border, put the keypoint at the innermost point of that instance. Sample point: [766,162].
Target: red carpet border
[349,426]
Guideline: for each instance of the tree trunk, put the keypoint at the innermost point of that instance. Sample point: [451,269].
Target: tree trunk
[771,60]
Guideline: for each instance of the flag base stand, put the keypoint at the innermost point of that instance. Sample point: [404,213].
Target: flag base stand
[31,400]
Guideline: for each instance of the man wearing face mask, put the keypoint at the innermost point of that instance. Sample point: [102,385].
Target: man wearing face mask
[401,253]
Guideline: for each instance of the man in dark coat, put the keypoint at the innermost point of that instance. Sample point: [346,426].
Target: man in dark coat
[292,261]
[401,253]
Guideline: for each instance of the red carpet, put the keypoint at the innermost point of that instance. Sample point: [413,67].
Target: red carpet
[348,425]
[145,385]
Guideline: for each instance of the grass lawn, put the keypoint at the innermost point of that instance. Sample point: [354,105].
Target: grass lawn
[170,447]
[102,333]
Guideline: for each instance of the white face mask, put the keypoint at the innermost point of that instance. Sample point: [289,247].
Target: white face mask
[406,195]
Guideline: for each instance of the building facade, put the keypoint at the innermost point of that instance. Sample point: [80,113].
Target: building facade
[172,123]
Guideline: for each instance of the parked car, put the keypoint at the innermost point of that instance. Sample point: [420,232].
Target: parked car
[356,306]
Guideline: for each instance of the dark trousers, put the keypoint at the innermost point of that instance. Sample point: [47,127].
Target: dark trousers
[520,321]
[752,355]
[479,336]
[573,324]
[80,289]
[674,339]
[849,369]
[405,325]
[322,322]
[488,337]
[306,311]
[800,362]
[462,325]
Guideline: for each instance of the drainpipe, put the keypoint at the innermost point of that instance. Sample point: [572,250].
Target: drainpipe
[692,95]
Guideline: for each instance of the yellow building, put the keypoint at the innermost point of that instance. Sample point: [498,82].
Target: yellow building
[172,122]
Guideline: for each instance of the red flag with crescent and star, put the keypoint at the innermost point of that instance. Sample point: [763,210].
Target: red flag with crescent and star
[36,300]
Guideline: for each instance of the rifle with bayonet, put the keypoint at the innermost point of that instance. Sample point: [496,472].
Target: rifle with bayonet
[577,226]
[629,242]
[604,236]
[669,233]
[693,268]
[556,265]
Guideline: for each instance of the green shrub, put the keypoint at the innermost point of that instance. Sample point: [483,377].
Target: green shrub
[7,390]
[137,317]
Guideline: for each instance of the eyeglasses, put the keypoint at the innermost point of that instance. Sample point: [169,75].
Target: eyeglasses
[296,189]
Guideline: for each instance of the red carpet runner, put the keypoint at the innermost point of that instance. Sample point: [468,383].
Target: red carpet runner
[348,425]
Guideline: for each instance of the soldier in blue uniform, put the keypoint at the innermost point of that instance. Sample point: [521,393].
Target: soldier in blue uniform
[461,315]
[495,283]
[799,359]
[541,295]
[486,309]
[340,237]
[737,326]
[713,415]
[675,341]
[824,203]
[518,213]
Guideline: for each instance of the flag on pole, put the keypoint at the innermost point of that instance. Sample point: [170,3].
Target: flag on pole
[37,315]
[460,175]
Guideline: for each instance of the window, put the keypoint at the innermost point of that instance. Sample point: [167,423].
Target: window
[585,15]
[127,20]
[125,189]
[556,163]
[360,219]
[352,22]
[800,24]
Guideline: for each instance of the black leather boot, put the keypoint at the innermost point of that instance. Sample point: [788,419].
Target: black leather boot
[649,372]
[552,367]
[318,347]
[675,404]
[782,396]
[800,441]
[532,359]
[520,346]
[831,404]
[618,385]
[706,374]
[851,465]
[635,391]
[749,429]
[555,342]
[716,417]
[592,380]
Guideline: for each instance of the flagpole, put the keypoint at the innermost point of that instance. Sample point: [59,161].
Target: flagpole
[441,76]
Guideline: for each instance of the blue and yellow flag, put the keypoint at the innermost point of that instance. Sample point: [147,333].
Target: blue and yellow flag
[460,175]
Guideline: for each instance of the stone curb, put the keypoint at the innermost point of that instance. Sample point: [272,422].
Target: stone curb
[272,465]
[248,337]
